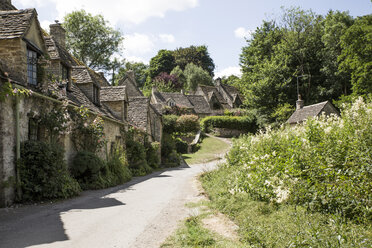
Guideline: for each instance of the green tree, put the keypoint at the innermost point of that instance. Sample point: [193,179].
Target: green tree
[162,62]
[180,75]
[140,72]
[91,39]
[356,55]
[336,82]
[198,55]
[196,75]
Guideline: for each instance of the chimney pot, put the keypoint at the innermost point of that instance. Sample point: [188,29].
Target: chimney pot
[58,33]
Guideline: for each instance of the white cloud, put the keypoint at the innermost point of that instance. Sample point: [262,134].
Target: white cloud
[136,59]
[167,38]
[232,70]
[137,44]
[242,33]
[45,25]
[127,11]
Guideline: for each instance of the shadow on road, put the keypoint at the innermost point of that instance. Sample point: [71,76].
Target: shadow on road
[41,224]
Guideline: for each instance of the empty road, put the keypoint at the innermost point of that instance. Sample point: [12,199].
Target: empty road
[140,213]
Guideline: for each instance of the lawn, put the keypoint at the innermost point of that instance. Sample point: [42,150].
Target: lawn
[211,148]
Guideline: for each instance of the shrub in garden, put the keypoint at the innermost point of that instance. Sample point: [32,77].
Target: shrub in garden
[118,166]
[89,170]
[168,151]
[246,123]
[181,146]
[324,164]
[187,123]
[152,150]
[43,172]
[170,123]
[136,154]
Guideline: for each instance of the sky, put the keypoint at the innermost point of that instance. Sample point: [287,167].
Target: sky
[222,25]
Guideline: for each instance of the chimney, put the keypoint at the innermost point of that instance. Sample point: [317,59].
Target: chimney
[218,82]
[182,91]
[58,33]
[299,103]
[7,5]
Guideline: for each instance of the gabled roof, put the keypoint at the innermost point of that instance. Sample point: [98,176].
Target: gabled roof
[57,52]
[179,98]
[80,75]
[157,108]
[15,23]
[130,83]
[200,104]
[207,90]
[138,111]
[230,90]
[113,93]
[308,111]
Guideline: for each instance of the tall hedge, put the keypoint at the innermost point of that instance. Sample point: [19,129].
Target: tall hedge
[245,123]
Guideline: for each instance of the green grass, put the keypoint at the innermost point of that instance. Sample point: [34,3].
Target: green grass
[211,148]
[191,233]
[264,224]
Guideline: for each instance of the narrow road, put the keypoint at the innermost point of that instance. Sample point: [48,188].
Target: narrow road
[140,213]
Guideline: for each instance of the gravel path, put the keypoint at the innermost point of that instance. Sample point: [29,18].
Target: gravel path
[141,213]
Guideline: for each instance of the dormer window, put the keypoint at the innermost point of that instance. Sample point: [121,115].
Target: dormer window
[95,94]
[31,67]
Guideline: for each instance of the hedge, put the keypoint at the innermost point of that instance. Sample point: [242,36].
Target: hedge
[245,123]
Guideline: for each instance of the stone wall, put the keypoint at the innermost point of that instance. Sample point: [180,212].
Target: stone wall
[227,133]
[12,52]
[87,89]
[117,108]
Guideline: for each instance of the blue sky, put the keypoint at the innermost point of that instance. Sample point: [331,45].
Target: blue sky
[151,25]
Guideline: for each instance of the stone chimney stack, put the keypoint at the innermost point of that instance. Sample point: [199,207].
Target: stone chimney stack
[299,103]
[58,33]
[130,74]
[6,5]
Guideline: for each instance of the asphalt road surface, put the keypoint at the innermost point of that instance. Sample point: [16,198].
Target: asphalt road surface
[140,213]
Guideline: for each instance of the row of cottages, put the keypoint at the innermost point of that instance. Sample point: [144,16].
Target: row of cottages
[31,59]
[205,101]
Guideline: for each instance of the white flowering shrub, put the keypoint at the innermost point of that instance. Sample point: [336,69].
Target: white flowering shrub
[324,164]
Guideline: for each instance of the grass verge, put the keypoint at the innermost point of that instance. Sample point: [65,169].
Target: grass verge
[211,149]
[272,225]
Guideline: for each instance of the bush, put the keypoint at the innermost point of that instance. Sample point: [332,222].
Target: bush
[89,170]
[169,155]
[152,151]
[187,123]
[118,167]
[246,123]
[43,172]
[324,164]
[136,154]
[181,146]
[170,123]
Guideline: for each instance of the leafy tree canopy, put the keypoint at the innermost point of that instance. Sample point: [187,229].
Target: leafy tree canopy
[162,62]
[196,75]
[91,39]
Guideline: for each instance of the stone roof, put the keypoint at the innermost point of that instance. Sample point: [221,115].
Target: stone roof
[132,88]
[113,93]
[80,75]
[179,98]
[208,92]
[77,97]
[138,112]
[200,104]
[57,52]
[158,107]
[15,23]
[230,90]
[308,111]
[6,5]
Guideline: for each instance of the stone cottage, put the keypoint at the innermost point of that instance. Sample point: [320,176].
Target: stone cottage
[30,60]
[142,113]
[304,112]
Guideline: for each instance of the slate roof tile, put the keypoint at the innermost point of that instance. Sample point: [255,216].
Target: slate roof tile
[200,104]
[112,93]
[138,112]
[306,112]
[15,23]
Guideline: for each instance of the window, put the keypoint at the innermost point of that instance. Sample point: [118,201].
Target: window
[32,67]
[95,94]
[65,73]
[33,129]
